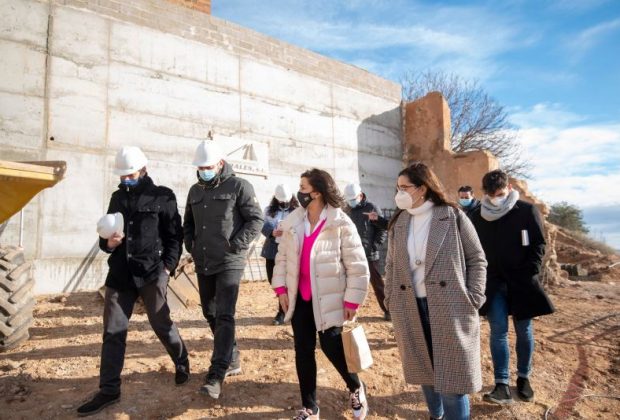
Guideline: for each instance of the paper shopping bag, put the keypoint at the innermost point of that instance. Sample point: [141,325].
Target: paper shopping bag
[356,349]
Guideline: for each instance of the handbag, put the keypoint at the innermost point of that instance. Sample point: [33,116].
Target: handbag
[356,349]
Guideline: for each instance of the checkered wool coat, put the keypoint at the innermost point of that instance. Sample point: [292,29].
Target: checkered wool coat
[455,278]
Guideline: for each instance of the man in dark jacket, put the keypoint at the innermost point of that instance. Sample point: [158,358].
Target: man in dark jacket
[512,235]
[222,218]
[142,256]
[373,235]
[467,201]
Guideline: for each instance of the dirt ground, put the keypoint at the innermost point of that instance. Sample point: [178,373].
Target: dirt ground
[577,361]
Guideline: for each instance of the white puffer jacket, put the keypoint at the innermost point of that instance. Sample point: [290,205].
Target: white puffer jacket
[338,266]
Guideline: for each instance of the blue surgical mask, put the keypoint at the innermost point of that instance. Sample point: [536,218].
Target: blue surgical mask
[207,174]
[129,182]
[465,202]
[353,203]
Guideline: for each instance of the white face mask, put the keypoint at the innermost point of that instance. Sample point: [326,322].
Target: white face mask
[499,201]
[404,201]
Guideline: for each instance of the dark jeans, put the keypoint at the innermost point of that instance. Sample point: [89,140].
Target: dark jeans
[304,331]
[269,264]
[117,311]
[377,283]
[218,297]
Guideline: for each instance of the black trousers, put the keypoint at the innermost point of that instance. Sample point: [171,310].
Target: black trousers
[117,311]
[269,264]
[377,283]
[218,297]
[304,330]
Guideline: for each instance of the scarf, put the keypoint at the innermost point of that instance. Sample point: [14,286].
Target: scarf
[491,212]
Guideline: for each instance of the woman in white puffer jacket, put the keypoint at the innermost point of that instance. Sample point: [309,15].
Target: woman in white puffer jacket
[321,278]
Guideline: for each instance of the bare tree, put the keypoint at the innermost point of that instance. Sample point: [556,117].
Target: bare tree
[479,122]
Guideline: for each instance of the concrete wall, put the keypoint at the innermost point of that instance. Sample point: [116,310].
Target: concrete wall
[96,75]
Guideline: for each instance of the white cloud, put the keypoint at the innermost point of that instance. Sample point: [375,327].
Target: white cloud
[587,39]
[573,161]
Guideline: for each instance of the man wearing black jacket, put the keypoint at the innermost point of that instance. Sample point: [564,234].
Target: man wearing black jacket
[512,236]
[141,260]
[222,218]
[373,235]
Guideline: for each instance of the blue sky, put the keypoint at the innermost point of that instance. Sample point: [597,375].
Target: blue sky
[554,64]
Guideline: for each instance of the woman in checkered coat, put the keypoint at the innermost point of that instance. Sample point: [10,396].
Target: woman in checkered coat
[434,286]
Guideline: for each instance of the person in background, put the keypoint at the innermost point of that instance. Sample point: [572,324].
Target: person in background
[434,286]
[222,218]
[467,201]
[141,260]
[282,204]
[321,278]
[512,235]
[371,234]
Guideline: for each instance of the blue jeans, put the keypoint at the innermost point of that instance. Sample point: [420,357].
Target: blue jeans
[500,351]
[448,406]
[453,406]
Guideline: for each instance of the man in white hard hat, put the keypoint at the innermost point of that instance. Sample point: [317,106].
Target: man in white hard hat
[372,234]
[142,257]
[222,218]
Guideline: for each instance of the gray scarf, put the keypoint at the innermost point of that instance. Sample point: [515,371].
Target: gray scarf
[491,212]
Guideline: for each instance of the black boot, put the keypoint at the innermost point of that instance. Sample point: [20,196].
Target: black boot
[181,376]
[98,403]
[524,389]
[500,395]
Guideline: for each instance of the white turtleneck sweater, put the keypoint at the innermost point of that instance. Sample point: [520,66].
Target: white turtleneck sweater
[419,229]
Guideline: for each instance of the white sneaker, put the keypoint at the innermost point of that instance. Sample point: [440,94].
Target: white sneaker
[306,414]
[359,403]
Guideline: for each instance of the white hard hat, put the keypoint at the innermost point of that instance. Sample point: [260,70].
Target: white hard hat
[351,191]
[282,193]
[207,153]
[110,224]
[129,160]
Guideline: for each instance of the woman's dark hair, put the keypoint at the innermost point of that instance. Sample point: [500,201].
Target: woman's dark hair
[494,180]
[322,182]
[274,205]
[419,174]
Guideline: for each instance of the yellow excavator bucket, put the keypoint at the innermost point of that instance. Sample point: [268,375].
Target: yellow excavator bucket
[21,181]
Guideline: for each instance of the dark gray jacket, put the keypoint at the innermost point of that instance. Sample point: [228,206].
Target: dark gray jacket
[371,234]
[221,220]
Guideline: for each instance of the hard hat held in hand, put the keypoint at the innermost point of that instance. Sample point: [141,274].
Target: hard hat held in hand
[207,153]
[129,160]
[110,224]
[282,193]
[351,191]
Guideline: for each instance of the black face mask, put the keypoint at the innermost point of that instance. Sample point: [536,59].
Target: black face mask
[304,198]
[283,204]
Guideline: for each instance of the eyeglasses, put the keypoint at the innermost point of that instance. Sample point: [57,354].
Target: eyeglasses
[405,187]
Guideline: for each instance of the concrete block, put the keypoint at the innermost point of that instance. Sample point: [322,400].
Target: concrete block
[56,275]
[160,137]
[151,92]
[78,103]
[174,55]
[24,21]
[22,121]
[71,209]
[286,86]
[265,118]
[22,69]
[358,105]
[80,36]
